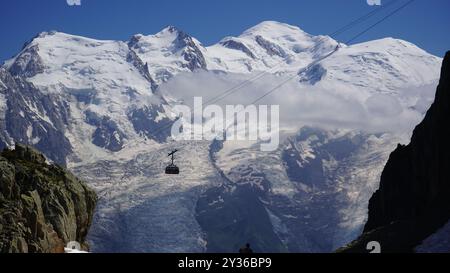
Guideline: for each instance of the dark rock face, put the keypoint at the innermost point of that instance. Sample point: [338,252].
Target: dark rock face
[191,53]
[145,122]
[313,75]
[133,58]
[413,199]
[107,135]
[28,63]
[42,207]
[134,40]
[232,44]
[271,48]
[194,58]
[33,118]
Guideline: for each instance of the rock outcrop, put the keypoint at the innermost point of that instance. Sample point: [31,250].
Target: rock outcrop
[42,206]
[413,200]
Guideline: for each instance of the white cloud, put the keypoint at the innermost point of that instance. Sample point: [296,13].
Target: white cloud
[374,2]
[73,2]
[339,107]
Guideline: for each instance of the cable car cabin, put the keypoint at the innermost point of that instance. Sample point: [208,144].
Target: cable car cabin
[172,168]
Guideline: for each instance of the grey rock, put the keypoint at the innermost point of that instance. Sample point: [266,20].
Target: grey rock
[134,59]
[28,63]
[42,206]
[271,48]
[190,52]
[144,122]
[233,44]
[313,74]
[107,135]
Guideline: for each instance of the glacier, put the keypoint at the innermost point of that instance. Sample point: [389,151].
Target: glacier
[104,109]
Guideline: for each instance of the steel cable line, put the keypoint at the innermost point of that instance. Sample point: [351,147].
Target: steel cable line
[380,21]
[339,31]
[362,18]
[350,25]
[328,55]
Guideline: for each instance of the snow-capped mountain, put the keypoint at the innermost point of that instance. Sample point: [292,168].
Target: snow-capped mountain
[97,107]
[305,197]
[30,116]
[169,52]
[268,45]
[107,89]
[384,65]
[54,59]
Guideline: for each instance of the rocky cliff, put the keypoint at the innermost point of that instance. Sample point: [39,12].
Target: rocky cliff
[42,206]
[413,200]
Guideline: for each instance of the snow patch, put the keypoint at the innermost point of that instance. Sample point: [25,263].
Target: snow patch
[439,242]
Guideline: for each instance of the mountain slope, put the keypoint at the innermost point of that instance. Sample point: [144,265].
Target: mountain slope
[268,45]
[77,62]
[32,117]
[412,201]
[168,52]
[100,108]
[106,90]
[384,65]
[308,196]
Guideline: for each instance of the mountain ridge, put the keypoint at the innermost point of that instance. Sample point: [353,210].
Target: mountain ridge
[412,200]
[102,105]
[263,47]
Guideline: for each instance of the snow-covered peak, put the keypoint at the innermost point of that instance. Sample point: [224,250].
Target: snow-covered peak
[170,39]
[56,59]
[390,44]
[291,38]
[166,38]
[384,65]
[46,37]
[269,45]
[98,84]
[169,29]
[103,80]
[169,52]
[273,29]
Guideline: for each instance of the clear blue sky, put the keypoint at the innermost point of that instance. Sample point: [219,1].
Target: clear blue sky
[425,22]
